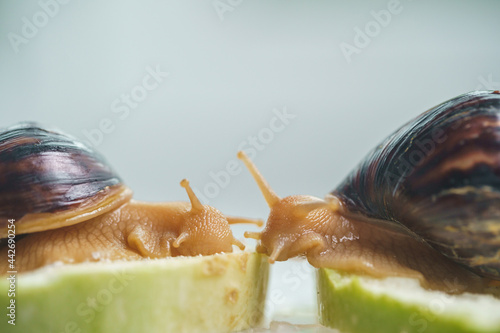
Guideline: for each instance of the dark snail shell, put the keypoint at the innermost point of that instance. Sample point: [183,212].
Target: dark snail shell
[438,176]
[49,180]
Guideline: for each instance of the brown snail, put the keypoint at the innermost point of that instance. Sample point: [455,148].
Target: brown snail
[69,206]
[425,204]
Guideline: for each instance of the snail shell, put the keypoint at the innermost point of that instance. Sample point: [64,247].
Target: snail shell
[439,176]
[50,180]
[435,182]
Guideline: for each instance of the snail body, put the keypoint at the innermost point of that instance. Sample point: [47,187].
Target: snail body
[69,206]
[424,204]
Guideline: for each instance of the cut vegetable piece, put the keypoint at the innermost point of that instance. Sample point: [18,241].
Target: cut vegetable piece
[218,293]
[355,304]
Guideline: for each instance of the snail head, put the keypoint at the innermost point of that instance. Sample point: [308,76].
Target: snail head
[205,230]
[295,223]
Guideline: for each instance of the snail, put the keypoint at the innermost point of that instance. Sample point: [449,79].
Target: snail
[68,205]
[424,204]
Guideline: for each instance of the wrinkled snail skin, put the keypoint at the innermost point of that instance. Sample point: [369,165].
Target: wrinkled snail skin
[69,206]
[424,204]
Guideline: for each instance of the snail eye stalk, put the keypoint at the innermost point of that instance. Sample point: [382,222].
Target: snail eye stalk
[271,197]
[195,202]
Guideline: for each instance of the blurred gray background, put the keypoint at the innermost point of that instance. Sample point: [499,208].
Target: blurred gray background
[172,89]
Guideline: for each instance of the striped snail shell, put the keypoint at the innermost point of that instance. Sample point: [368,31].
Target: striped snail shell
[439,176]
[50,180]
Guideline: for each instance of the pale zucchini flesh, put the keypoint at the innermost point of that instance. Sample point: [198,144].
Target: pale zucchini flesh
[218,293]
[355,304]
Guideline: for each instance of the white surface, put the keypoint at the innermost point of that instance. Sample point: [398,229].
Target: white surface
[227,76]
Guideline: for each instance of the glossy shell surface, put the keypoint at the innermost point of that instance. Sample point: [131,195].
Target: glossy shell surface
[439,177]
[44,171]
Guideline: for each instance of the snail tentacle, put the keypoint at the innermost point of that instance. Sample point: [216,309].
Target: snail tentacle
[244,220]
[253,235]
[181,239]
[195,202]
[271,197]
